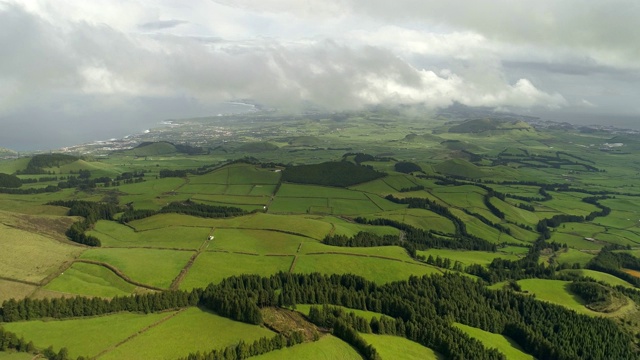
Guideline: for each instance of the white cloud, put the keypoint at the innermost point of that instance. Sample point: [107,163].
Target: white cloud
[339,54]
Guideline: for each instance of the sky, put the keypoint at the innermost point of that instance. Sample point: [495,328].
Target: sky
[74,70]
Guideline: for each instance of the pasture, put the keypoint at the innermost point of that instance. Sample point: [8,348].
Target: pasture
[189,331]
[113,234]
[29,256]
[599,276]
[213,267]
[90,280]
[327,348]
[490,340]
[556,292]
[16,290]
[84,337]
[257,241]
[467,257]
[153,267]
[304,309]
[399,348]
[303,225]
[378,270]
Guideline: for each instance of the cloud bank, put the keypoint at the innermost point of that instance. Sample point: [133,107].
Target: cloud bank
[75,59]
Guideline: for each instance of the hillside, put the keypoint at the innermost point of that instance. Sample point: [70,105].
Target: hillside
[459,167]
[487,124]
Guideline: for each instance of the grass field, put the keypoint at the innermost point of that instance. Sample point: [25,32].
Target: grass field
[305,225]
[505,345]
[392,252]
[148,266]
[600,276]
[556,292]
[212,267]
[83,337]
[113,234]
[90,280]
[15,355]
[574,241]
[257,241]
[310,191]
[304,309]
[190,331]
[378,270]
[399,348]
[16,290]
[28,256]
[469,257]
[420,218]
[327,348]
[573,256]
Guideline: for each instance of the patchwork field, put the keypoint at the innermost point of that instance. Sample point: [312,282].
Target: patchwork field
[242,165]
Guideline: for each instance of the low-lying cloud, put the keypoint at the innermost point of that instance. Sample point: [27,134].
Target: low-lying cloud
[116,55]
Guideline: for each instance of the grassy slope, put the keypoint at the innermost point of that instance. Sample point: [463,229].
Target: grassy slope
[83,337]
[90,280]
[399,348]
[31,257]
[505,345]
[148,266]
[327,348]
[190,331]
[555,291]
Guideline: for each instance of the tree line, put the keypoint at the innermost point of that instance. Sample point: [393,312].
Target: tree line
[337,173]
[186,207]
[92,212]
[426,306]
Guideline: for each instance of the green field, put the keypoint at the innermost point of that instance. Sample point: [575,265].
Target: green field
[505,345]
[600,276]
[84,337]
[327,348]
[556,292]
[304,309]
[304,225]
[257,241]
[375,269]
[113,234]
[212,267]
[90,280]
[188,332]
[16,290]
[149,266]
[420,218]
[33,257]
[395,347]
[15,356]
[469,257]
[573,256]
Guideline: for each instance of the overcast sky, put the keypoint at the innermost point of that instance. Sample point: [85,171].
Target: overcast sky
[70,67]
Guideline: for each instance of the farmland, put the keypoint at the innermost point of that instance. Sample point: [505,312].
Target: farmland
[423,205]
